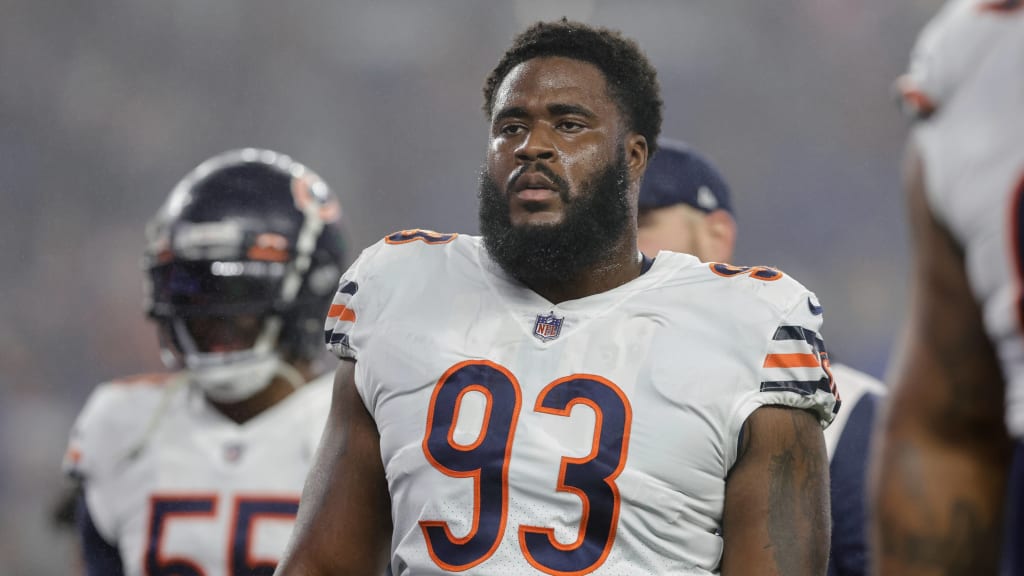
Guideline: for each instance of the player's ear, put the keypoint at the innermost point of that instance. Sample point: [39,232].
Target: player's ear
[636,155]
[721,230]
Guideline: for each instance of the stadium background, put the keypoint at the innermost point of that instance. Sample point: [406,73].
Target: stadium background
[104,105]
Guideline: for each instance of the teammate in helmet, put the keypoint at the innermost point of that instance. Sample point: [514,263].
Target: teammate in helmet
[198,471]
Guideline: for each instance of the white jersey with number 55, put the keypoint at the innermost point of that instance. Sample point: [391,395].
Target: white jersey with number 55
[592,436]
[174,488]
[966,85]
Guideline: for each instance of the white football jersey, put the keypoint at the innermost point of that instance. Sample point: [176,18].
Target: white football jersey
[591,436]
[967,80]
[181,489]
[854,385]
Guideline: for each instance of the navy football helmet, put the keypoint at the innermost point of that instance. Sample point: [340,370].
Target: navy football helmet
[249,236]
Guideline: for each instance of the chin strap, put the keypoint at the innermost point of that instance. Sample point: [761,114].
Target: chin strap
[173,386]
[290,374]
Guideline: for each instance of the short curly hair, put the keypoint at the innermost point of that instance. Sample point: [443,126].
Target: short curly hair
[631,78]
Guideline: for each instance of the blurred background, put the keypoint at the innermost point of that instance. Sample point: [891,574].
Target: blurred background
[105,105]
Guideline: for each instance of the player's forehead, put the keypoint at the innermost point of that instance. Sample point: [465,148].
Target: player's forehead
[535,84]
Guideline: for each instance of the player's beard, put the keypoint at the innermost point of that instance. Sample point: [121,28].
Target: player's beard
[552,254]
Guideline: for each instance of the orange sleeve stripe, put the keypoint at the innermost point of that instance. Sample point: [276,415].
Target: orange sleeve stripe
[915,97]
[342,313]
[792,361]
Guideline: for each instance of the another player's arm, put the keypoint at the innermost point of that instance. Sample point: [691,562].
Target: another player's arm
[101,558]
[776,520]
[344,521]
[942,460]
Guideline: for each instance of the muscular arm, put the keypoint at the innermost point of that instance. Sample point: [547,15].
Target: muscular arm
[776,519]
[941,462]
[344,522]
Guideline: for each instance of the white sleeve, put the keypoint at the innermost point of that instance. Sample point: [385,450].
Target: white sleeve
[89,454]
[947,52]
[351,304]
[794,368]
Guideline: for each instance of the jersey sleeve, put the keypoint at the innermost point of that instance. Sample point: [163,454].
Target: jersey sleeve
[947,52]
[350,312]
[89,455]
[84,454]
[109,432]
[793,370]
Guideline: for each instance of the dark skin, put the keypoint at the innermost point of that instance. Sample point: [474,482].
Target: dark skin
[941,464]
[558,110]
[220,335]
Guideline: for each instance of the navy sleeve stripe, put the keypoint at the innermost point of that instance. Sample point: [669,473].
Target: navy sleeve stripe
[339,338]
[786,333]
[794,333]
[349,288]
[101,557]
[804,387]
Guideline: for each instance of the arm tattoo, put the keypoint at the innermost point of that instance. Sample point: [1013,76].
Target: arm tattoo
[796,505]
[952,549]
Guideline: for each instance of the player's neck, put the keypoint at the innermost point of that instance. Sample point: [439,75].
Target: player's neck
[278,389]
[622,265]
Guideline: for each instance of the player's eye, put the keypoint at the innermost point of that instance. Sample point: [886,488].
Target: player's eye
[511,129]
[570,126]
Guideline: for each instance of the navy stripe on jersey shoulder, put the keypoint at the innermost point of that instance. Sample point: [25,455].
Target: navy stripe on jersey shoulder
[338,338]
[802,387]
[795,333]
[349,288]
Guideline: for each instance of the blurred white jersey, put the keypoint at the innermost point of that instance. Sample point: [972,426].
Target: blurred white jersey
[591,436]
[967,83]
[180,489]
[854,385]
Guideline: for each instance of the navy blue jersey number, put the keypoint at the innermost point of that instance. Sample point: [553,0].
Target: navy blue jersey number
[765,273]
[486,460]
[247,511]
[161,510]
[591,478]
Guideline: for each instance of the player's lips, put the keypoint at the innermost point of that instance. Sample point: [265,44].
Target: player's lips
[536,194]
[533,187]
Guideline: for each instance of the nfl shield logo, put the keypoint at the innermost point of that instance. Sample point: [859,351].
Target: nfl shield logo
[548,326]
[233,452]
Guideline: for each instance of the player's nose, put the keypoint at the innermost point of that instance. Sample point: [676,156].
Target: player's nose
[536,145]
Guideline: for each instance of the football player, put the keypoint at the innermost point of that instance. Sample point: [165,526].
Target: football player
[544,398]
[199,471]
[958,383]
[685,206]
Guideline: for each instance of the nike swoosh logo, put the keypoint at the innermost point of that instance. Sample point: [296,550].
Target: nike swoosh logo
[816,310]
